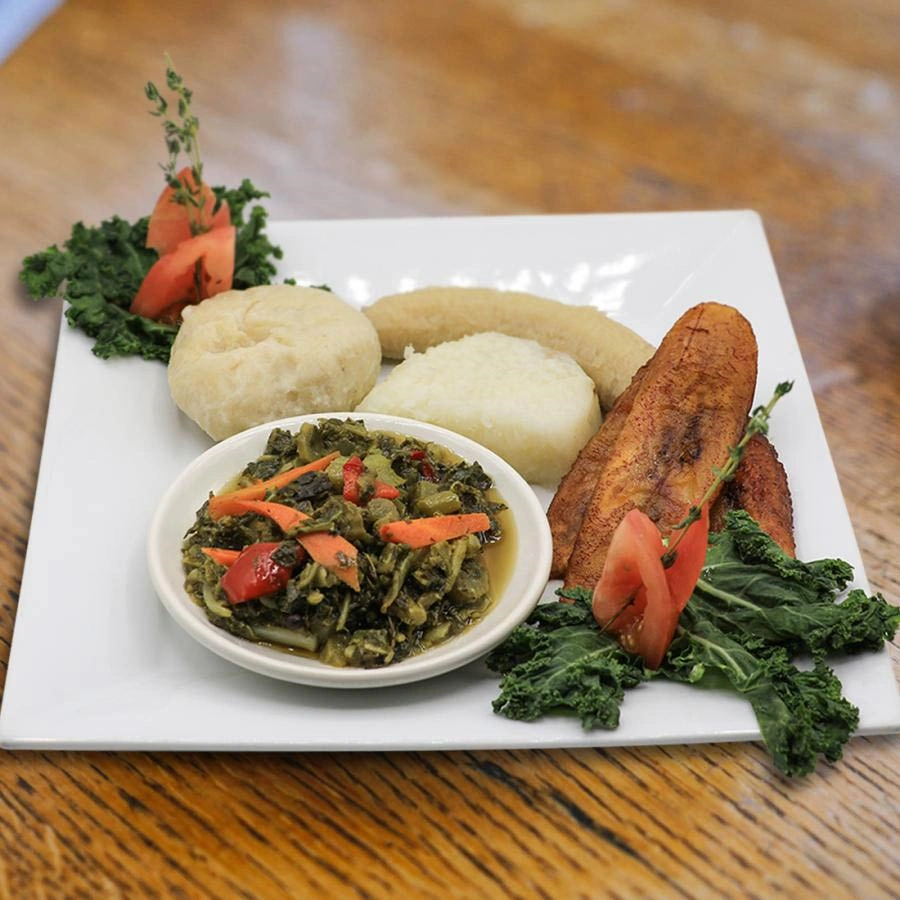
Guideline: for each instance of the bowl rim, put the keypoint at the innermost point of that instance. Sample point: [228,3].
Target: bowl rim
[529,577]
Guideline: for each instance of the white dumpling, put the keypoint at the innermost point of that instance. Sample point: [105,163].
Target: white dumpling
[242,358]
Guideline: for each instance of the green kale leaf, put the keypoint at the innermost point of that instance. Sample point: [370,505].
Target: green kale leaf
[254,252]
[762,598]
[117,332]
[560,661]
[800,714]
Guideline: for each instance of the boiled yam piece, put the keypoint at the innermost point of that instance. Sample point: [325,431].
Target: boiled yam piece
[532,406]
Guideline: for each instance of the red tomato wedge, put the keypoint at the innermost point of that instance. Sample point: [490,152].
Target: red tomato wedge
[170,222]
[196,269]
[690,555]
[254,573]
[632,598]
[637,598]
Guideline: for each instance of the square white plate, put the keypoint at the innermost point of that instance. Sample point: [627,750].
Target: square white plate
[96,662]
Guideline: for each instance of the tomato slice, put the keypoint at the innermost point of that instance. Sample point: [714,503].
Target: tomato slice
[196,269]
[637,598]
[254,574]
[632,597]
[170,222]
[690,554]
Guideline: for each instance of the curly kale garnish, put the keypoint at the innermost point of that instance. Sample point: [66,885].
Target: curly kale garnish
[99,269]
[561,661]
[253,252]
[753,610]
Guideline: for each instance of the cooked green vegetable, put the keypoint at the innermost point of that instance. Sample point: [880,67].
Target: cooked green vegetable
[753,609]
[100,268]
[407,599]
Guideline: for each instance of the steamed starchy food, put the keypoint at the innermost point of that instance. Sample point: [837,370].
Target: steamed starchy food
[532,406]
[760,488]
[248,357]
[357,547]
[690,408]
[608,351]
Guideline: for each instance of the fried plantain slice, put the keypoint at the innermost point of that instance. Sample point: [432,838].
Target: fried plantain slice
[567,508]
[760,488]
[689,410]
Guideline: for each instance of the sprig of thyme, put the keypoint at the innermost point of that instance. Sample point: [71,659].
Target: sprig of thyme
[757,424]
[182,136]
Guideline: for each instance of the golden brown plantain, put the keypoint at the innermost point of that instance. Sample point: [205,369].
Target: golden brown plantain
[759,487]
[574,492]
[690,408]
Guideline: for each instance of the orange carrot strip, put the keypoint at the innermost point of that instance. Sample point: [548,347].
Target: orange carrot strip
[285,517]
[335,553]
[418,533]
[221,556]
[332,551]
[258,491]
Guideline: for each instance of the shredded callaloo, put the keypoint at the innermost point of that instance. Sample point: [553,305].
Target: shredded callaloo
[398,561]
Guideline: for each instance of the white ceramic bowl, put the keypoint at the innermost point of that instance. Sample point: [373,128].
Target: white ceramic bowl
[178,508]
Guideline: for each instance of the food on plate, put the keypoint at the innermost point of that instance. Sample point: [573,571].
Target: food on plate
[196,269]
[608,351]
[248,357]
[690,408]
[574,491]
[651,571]
[357,547]
[730,608]
[752,610]
[125,283]
[637,596]
[760,487]
[184,209]
[532,406]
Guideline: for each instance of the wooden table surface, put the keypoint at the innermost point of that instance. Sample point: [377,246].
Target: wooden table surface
[404,107]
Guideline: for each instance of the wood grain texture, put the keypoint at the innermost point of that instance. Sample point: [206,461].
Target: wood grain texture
[480,106]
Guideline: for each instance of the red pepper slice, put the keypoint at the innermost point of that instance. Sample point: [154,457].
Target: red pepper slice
[352,471]
[255,573]
[426,470]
